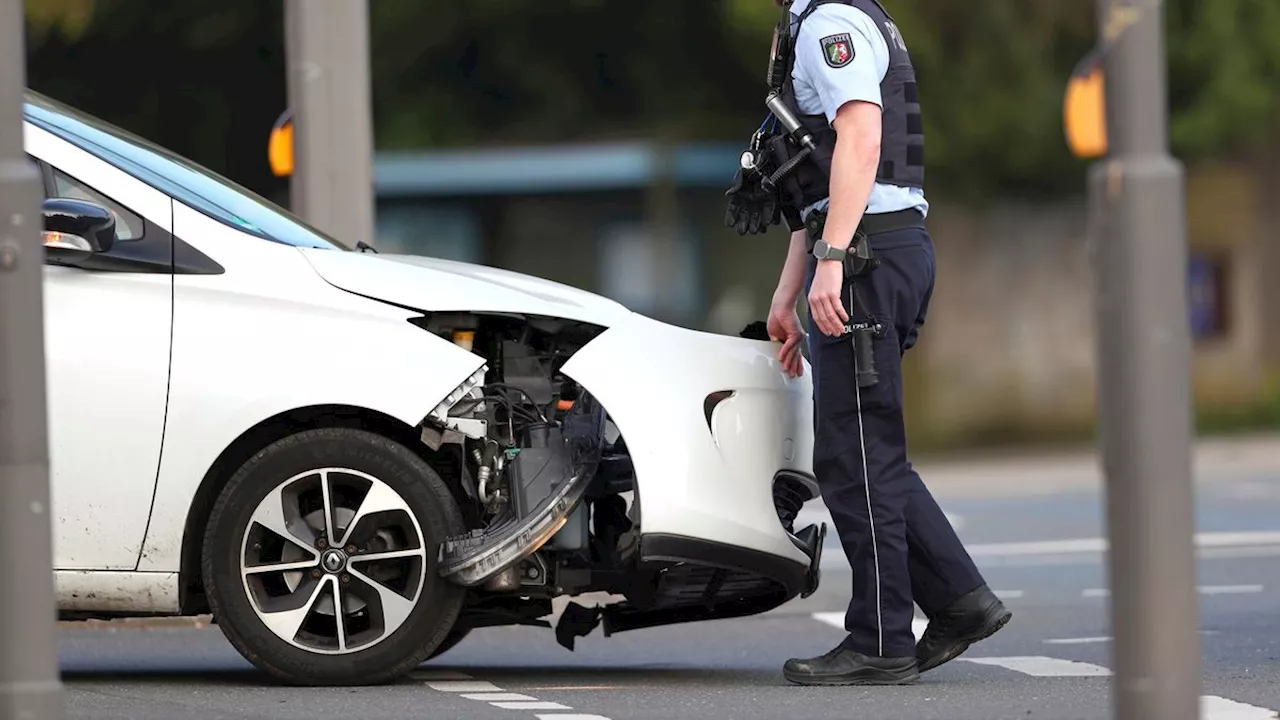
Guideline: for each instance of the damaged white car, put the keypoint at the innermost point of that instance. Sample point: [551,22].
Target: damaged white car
[353,459]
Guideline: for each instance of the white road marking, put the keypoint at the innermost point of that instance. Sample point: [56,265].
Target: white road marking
[1213,707]
[1040,666]
[1230,589]
[1203,590]
[468,687]
[534,705]
[463,686]
[1008,594]
[957,522]
[1211,545]
[836,619]
[1078,641]
[1097,545]
[1099,639]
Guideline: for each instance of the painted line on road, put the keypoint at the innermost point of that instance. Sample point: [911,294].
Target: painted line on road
[1099,639]
[836,619]
[1040,666]
[531,705]
[1231,589]
[466,686]
[1209,545]
[1097,545]
[499,697]
[1203,590]
[1213,707]
[461,686]
[1078,641]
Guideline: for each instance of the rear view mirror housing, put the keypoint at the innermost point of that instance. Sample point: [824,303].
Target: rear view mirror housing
[75,230]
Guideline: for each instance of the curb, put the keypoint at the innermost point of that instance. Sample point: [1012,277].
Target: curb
[191,622]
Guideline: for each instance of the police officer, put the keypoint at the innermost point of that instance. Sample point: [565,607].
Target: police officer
[866,262]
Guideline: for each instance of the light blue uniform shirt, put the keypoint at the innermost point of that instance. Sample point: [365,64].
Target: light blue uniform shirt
[822,89]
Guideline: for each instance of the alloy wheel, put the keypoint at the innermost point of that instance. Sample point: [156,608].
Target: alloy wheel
[333,561]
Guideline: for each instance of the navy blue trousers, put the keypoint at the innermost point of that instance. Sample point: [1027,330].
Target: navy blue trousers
[900,546]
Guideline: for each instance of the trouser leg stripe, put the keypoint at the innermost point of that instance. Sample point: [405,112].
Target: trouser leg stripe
[866,484]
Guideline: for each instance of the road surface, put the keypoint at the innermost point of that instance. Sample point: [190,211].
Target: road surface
[1035,526]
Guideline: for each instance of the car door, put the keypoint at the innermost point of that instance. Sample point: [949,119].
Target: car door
[107,336]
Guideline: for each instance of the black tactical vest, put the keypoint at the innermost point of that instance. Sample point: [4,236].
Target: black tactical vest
[902,139]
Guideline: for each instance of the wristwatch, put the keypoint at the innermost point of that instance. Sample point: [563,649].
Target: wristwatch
[824,251]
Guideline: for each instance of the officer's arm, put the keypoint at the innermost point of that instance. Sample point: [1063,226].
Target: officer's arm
[843,55]
[791,281]
[853,169]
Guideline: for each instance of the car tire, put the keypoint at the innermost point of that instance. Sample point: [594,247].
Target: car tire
[396,610]
[455,636]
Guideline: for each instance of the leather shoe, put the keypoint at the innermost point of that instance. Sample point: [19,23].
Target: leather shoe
[842,666]
[975,616]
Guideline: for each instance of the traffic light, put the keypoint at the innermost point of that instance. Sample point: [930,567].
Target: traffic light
[280,145]
[1085,109]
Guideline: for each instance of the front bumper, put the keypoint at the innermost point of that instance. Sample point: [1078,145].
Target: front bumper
[711,424]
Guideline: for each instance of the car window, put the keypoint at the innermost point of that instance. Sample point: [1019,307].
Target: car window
[183,180]
[128,224]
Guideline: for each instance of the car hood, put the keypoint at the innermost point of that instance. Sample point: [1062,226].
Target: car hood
[435,285]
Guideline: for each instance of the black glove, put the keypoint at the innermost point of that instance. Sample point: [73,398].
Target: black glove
[751,208]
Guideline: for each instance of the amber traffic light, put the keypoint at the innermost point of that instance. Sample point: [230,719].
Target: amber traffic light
[1085,109]
[280,146]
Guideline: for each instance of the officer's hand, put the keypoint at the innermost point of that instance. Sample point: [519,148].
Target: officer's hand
[784,327]
[825,307]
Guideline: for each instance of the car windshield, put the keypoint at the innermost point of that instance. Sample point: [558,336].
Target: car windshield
[189,183]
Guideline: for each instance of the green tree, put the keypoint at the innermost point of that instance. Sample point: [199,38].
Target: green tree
[206,77]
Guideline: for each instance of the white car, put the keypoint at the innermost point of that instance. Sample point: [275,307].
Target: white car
[352,459]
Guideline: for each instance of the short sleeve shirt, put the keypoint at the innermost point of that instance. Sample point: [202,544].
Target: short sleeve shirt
[841,57]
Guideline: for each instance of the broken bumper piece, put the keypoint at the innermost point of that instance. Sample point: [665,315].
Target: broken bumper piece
[477,556]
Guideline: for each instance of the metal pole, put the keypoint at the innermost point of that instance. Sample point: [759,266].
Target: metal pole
[1144,353]
[328,57]
[30,686]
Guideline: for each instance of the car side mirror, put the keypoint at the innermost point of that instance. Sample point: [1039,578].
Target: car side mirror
[75,230]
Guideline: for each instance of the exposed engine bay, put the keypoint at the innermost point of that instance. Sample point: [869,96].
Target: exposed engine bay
[543,475]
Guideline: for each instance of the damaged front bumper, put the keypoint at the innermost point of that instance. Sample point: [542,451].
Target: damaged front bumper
[480,555]
[732,582]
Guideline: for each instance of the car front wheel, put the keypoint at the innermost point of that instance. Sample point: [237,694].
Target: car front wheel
[320,559]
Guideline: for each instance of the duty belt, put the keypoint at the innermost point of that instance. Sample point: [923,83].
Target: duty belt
[872,224]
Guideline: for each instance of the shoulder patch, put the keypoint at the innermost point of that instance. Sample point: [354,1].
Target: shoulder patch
[837,50]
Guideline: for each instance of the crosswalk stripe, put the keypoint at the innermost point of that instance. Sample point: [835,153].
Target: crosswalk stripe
[464,686]
[1040,666]
[531,705]
[1213,707]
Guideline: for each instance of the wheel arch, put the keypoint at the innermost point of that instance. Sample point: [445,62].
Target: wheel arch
[191,597]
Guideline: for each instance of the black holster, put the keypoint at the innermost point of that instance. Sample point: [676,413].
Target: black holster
[858,261]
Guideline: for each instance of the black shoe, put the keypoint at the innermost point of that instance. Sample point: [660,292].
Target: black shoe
[975,616]
[842,666]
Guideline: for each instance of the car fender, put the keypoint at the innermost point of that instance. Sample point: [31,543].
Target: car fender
[295,342]
[698,475]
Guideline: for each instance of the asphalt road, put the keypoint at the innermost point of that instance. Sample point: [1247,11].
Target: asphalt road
[1040,545]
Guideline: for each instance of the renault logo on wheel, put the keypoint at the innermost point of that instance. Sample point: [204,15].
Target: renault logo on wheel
[333,561]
